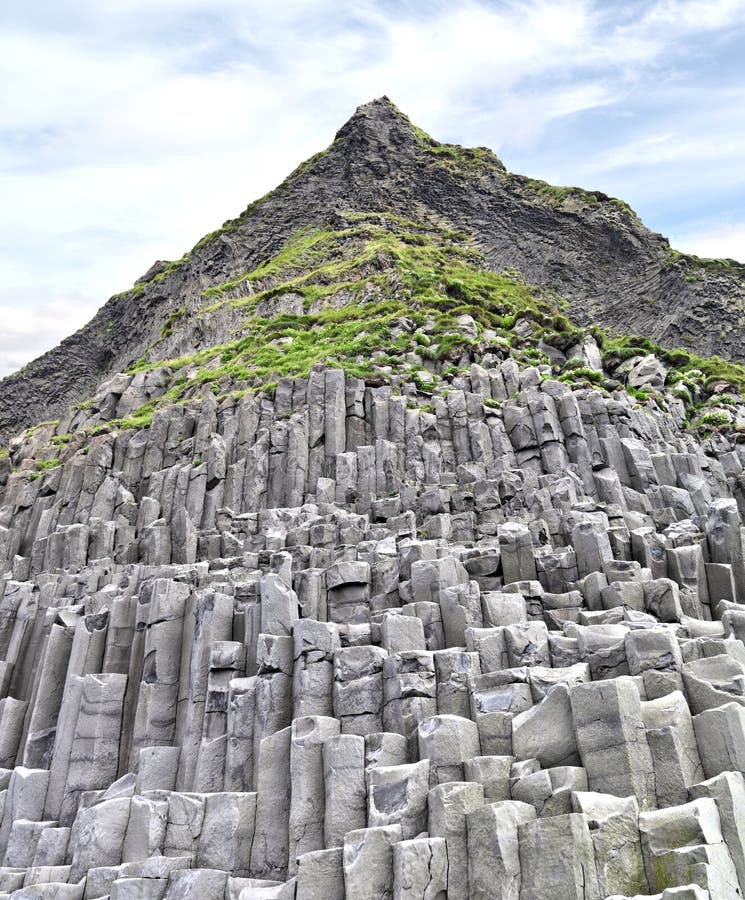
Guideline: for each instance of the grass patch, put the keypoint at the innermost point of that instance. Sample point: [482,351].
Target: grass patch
[46,465]
[707,264]
[684,364]
[559,196]
[407,286]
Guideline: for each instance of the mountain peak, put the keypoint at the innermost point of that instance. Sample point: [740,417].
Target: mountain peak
[380,127]
[583,246]
[380,110]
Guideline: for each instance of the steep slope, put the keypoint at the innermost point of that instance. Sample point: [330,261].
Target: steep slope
[588,248]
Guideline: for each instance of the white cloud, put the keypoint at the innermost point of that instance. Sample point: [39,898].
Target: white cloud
[29,327]
[131,127]
[716,241]
[699,15]
[663,149]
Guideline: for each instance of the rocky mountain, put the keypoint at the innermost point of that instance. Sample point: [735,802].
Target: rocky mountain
[588,248]
[362,556]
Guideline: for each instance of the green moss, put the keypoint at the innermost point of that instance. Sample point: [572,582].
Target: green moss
[45,465]
[226,228]
[39,425]
[714,420]
[459,160]
[4,453]
[683,364]
[167,329]
[640,394]
[400,288]
[575,373]
[141,418]
[136,289]
[560,195]
[392,271]
[172,267]
[703,264]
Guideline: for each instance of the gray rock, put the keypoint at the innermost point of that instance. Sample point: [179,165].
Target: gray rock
[611,739]
[448,808]
[614,830]
[493,849]
[368,862]
[397,795]
[557,859]
[420,869]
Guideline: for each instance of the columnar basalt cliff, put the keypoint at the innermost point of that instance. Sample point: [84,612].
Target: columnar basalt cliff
[353,563]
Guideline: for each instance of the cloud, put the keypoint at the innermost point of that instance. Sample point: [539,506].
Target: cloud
[29,327]
[720,241]
[130,128]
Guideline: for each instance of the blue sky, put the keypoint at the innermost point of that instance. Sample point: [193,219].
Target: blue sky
[129,128]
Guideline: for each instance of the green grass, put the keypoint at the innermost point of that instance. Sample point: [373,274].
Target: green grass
[460,160]
[559,196]
[45,465]
[690,260]
[39,425]
[713,420]
[393,271]
[142,418]
[572,374]
[167,329]
[400,288]
[683,363]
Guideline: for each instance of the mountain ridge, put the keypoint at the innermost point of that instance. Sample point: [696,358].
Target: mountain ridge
[587,247]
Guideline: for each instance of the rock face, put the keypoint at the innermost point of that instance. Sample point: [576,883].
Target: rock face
[410,633]
[590,248]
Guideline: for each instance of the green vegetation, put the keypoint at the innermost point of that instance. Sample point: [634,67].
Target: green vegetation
[142,418]
[44,465]
[226,228]
[404,288]
[684,365]
[172,267]
[559,195]
[308,164]
[640,394]
[575,374]
[459,160]
[714,420]
[136,289]
[686,260]
[167,330]
[383,297]
[30,432]
[4,453]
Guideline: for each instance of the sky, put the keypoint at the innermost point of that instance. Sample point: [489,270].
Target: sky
[130,128]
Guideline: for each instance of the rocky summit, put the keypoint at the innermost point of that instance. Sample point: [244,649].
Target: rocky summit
[369,552]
